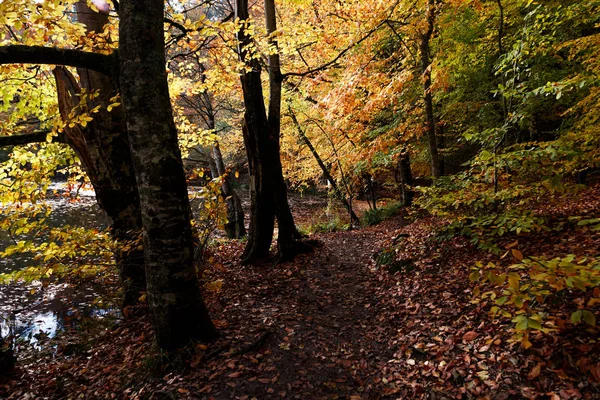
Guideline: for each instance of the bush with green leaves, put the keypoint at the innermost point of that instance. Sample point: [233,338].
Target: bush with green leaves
[375,216]
[528,292]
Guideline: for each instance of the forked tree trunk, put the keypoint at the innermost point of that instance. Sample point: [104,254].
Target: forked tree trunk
[103,148]
[179,313]
[268,191]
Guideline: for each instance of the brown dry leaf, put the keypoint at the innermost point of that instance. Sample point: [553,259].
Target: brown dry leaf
[234,375]
[471,335]
[517,254]
[535,372]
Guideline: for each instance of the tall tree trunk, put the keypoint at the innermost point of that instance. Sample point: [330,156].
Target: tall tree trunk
[268,192]
[174,295]
[234,227]
[103,148]
[424,46]
[255,126]
[288,233]
[405,178]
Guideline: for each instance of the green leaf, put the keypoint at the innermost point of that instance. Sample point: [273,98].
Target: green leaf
[533,324]
[474,276]
[588,317]
[522,323]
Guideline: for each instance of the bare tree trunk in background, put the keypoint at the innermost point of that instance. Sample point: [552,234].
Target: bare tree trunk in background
[405,178]
[234,227]
[353,217]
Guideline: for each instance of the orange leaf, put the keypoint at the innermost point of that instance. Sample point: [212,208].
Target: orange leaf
[467,337]
[517,254]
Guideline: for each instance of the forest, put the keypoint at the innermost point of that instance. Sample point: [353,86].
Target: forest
[299,199]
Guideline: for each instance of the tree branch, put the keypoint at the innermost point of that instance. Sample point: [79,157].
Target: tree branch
[27,138]
[334,61]
[19,54]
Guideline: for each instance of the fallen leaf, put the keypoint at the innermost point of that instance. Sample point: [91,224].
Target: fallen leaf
[535,372]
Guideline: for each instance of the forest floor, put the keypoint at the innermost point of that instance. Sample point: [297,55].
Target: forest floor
[334,325]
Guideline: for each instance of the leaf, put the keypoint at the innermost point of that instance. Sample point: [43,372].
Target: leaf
[576,316]
[535,372]
[474,276]
[234,374]
[589,317]
[513,280]
[517,254]
[522,323]
[483,375]
[533,324]
[469,336]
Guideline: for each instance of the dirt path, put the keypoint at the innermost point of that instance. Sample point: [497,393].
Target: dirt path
[322,316]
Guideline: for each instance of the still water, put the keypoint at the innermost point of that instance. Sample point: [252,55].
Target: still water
[34,311]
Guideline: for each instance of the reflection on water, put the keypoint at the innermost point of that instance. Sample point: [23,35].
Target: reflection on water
[34,310]
[31,311]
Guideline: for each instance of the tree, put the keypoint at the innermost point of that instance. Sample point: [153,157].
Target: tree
[173,292]
[425,51]
[102,147]
[268,191]
[174,296]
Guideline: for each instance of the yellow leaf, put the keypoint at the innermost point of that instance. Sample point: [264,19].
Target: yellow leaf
[513,280]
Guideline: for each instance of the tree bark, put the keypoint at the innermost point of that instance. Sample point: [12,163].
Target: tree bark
[22,54]
[262,215]
[288,233]
[430,127]
[174,297]
[405,178]
[234,227]
[103,148]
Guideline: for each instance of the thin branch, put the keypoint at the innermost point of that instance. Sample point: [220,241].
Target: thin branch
[334,61]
